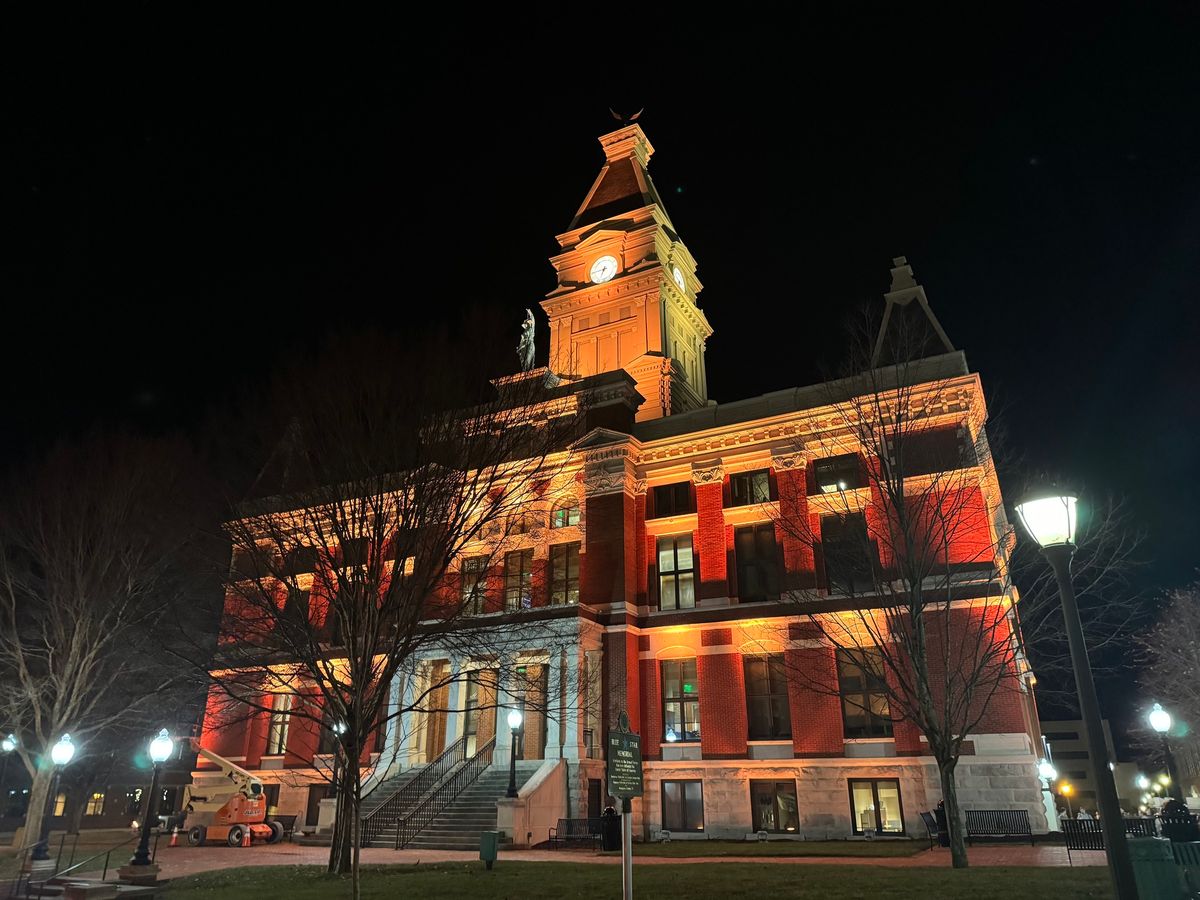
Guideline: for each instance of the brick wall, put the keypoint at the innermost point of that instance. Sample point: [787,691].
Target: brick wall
[709,540]
[723,725]
[794,531]
[816,714]
[651,710]
[607,567]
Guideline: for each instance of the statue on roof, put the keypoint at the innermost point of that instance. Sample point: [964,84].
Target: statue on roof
[525,345]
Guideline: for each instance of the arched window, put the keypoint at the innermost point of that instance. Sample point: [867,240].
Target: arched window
[565,514]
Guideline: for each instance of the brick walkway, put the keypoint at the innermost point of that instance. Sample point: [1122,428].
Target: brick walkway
[180,861]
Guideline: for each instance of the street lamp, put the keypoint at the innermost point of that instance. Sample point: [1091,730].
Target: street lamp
[514,723]
[8,745]
[60,754]
[1160,721]
[338,728]
[1050,518]
[1048,775]
[1066,789]
[160,751]
[1143,782]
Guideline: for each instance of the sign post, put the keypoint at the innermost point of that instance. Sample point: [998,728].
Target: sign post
[625,783]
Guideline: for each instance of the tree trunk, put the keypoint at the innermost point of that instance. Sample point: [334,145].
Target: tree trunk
[954,821]
[37,805]
[339,850]
[355,833]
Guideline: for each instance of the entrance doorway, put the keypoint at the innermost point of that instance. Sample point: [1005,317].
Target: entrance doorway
[595,788]
[437,703]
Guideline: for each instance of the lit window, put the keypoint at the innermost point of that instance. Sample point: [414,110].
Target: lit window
[95,804]
[749,488]
[565,516]
[676,573]
[774,807]
[564,574]
[838,473]
[681,701]
[875,806]
[518,579]
[277,730]
[683,805]
[60,804]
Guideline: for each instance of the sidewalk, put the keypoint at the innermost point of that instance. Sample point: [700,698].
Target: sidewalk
[180,861]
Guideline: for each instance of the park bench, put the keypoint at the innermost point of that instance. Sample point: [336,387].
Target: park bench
[575,830]
[998,823]
[1137,826]
[1082,834]
[931,826]
[288,823]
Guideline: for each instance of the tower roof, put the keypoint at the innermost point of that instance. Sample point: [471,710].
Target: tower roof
[624,184]
[909,331]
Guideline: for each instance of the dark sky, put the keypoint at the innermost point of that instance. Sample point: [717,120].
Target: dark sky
[181,219]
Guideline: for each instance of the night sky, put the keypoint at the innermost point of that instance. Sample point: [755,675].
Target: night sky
[181,221]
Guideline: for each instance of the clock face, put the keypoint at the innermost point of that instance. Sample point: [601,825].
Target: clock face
[604,269]
[678,276]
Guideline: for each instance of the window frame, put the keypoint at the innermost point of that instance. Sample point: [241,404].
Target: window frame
[875,782]
[842,472]
[775,785]
[683,783]
[278,725]
[94,804]
[773,691]
[673,575]
[674,499]
[886,725]
[683,699]
[518,586]
[853,553]
[566,586]
[749,478]
[569,511]
[764,565]
[473,599]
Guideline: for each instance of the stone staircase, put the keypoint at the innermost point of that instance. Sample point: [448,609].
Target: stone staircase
[384,790]
[472,812]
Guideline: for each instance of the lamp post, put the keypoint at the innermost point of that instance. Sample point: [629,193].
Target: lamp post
[8,745]
[1048,775]
[1050,518]
[338,728]
[1066,789]
[60,754]
[1160,721]
[514,723]
[160,751]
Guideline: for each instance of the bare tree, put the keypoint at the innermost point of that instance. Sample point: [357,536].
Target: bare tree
[388,468]
[914,603]
[95,554]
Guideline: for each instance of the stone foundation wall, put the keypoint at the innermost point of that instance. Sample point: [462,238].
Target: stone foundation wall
[823,792]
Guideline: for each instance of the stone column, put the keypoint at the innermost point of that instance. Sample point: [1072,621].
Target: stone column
[454,705]
[404,734]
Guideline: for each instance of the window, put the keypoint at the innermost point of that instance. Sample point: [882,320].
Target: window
[95,804]
[931,450]
[676,573]
[838,473]
[354,552]
[518,579]
[673,500]
[277,730]
[565,515]
[271,794]
[60,804]
[521,524]
[683,806]
[748,488]
[1061,736]
[865,712]
[1072,754]
[564,574]
[681,701]
[300,561]
[327,742]
[757,562]
[474,584]
[295,608]
[767,707]
[847,552]
[773,805]
[245,563]
[875,806]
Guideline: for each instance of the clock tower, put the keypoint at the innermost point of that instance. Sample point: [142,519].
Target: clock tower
[627,287]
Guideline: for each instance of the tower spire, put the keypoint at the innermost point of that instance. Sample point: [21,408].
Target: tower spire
[913,331]
[624,183]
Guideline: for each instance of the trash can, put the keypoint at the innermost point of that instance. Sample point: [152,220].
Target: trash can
[489,842]
[610,829]
[939,815]
[1154,869]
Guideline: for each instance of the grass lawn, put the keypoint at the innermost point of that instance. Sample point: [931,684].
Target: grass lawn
[89,842]
[681,849]
[730,881]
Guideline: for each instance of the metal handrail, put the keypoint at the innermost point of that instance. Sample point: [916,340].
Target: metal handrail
[27,877]
[412,790]
[431,807]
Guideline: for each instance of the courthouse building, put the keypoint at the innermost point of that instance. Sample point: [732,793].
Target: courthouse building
[666,568]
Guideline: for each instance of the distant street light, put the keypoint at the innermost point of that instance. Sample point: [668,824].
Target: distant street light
[1051,519]
[1066,790]
[514,724]
[1143,782]
[161,749]
[1160,721]
[8,745]
[60,754]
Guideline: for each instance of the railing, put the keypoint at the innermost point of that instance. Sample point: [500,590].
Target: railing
[26,878]
[412,790]
[431,807]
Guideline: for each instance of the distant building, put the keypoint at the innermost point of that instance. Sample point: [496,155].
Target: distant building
[1069,753]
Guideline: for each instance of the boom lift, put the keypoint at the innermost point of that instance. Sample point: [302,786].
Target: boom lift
[226,806]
